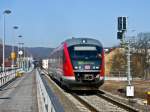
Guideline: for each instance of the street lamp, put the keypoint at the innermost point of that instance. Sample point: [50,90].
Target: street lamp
[13,54]
[21,53]
[6,12]
[19,46]
[20,36]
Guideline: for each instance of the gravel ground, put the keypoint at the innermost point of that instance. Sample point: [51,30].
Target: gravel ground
[101,104]
[141,87]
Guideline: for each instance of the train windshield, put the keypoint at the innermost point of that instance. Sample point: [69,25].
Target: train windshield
[85,52]
[86,57]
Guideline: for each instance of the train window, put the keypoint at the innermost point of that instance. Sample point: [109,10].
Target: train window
[85,52]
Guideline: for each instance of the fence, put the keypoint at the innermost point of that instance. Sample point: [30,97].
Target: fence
[46,97]
[7,76]
[117,78]
[120,76]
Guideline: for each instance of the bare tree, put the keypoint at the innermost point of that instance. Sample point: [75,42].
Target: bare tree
[141,51]
[118,62]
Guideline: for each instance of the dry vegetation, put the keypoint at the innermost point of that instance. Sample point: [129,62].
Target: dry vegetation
[115,87]
[115,63]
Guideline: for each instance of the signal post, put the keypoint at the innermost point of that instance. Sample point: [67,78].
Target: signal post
[122,29]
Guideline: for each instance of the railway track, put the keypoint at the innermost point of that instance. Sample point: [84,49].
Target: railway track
[97,102]
[104,95]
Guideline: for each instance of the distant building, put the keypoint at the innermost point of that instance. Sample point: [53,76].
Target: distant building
[45,63]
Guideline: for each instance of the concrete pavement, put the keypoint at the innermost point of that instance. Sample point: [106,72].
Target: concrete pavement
[20,95]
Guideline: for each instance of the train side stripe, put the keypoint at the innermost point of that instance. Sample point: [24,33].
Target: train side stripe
[68,69]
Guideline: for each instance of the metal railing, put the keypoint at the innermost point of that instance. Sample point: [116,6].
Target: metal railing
[7,76]
[45,100]
[117,78]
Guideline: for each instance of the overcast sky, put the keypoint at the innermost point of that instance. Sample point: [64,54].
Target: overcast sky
[46,23]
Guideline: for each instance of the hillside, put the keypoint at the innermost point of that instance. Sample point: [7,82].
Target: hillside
[39,52]
[36,52]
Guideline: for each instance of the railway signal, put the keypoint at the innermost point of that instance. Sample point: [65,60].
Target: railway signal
[119,23]
[122,21]
[122,29]
[119,35]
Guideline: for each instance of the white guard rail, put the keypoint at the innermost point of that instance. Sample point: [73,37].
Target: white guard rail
[117,78]
[7,76]
[44,102]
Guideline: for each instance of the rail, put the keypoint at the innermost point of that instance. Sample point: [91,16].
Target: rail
[45,97]
[93,108]
[104,95]
[7,76]
[85,103]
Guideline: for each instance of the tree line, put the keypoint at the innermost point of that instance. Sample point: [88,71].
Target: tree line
[140,57]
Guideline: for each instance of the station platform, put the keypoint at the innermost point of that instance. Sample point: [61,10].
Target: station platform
[20,95]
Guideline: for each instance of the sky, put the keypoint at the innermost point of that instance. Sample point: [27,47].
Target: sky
[47,23]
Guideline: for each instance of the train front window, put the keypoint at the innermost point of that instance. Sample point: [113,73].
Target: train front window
[85,52]
[86,57]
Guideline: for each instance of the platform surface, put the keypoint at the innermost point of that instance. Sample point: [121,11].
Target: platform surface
[20,95]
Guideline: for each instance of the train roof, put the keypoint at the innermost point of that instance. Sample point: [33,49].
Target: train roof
[78,41]
[85,41]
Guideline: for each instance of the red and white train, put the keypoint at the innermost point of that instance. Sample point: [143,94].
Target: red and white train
[78,64]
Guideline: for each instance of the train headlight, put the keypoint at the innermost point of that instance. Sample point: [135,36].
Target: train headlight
[97,67]
[94,67]
[84,41]
[76,67]
[79,67]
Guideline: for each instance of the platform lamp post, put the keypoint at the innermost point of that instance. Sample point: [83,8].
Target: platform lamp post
[6,12]
[18,52]
[24,57]
[13,54]
[21,54]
